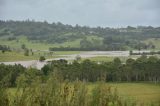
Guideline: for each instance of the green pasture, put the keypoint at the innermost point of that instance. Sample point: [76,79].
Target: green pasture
[37,45]
[19,56]
[100,59]
[155,41]
[140,92]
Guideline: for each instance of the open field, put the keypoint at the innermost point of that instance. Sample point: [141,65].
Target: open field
[41,45]
[36,45]
[67,52]
[19,56]
[108,58]
[142,92]
[155,41]
[100,59]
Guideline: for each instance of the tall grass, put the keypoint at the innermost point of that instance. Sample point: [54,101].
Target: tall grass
[57,92]
[4,99]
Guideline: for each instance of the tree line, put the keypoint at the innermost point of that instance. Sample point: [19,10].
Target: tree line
[141,69]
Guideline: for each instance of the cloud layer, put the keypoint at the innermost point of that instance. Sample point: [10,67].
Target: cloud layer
[114,13]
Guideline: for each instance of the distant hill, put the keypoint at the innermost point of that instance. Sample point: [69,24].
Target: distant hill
[81,37]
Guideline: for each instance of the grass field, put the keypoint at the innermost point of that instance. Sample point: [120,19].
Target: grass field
[100,59]
[67,52]
[141,92]
[36,45]
[156,42]
[19,56]
[108,59]
[43,46]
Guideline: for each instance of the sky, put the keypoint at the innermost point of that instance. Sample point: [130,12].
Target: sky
[105,13]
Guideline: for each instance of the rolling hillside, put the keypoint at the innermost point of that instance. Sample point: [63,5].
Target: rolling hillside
[43,35]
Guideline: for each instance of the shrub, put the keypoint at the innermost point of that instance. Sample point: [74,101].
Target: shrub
[42,58]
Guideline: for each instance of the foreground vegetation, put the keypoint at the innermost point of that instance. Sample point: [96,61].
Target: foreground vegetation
[136,92]
[140,91]
[77,93]
[57,92]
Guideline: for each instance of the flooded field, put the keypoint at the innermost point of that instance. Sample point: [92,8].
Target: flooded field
[88,54]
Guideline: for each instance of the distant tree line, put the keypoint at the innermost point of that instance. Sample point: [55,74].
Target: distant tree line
[102,48]
[111,43]
[74,49]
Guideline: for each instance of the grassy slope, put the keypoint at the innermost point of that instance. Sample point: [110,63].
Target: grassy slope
[36,45]
[42,46]
[156,42]
[14,56]
[142,92]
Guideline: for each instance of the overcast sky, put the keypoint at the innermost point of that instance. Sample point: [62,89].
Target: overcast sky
[113,13]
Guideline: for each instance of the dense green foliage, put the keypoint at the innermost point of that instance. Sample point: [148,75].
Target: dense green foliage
[9,74]
[113,38]
[142,69]
[42,58]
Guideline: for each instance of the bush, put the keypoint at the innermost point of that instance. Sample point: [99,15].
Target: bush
[26,52]
[4,99]
[42,58]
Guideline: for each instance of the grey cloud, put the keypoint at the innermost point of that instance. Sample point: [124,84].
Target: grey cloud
[2,3]
[85,12]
